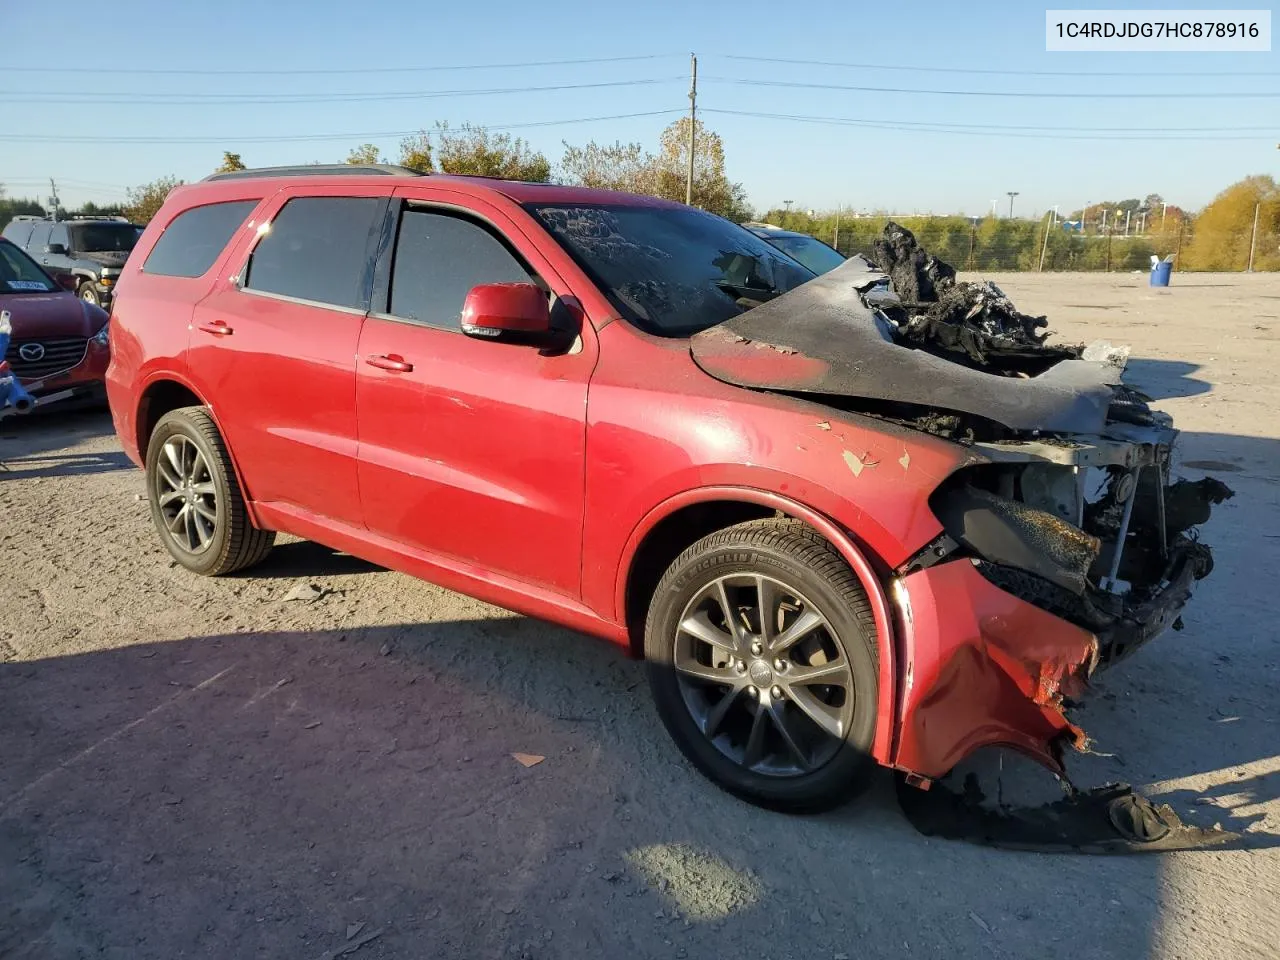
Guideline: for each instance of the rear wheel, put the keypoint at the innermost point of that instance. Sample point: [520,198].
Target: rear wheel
[88,294]
[196,501]
[762,660]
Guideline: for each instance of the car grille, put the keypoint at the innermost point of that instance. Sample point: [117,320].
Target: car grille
[60,355]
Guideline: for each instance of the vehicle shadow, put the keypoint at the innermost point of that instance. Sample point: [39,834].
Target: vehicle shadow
[1164,379]
[62,464]
[303,558]
[53,429]
[261,794]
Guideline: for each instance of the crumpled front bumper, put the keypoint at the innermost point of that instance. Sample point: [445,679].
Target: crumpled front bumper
[985,668]
[982,668]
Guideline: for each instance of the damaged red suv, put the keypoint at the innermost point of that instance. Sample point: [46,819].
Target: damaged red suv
[864,517]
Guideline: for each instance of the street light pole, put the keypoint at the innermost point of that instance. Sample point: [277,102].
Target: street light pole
[1012,194]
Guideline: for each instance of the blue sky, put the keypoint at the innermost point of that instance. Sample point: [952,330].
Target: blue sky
[814,164]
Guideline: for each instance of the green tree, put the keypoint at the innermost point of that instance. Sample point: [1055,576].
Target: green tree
[415,153]
[145,200]
[712,189]
[617,166]
[474,151]
[365,153]
[231,162]
[629,167]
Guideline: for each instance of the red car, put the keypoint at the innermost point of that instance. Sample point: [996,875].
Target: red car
[833,544]
[58,342]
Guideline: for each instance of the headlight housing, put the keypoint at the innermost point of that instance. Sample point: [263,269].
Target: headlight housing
[100,338]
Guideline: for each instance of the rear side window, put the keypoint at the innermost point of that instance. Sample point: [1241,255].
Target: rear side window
[319,249]
[191,243]
[39,238]
[19,233]
[439,258]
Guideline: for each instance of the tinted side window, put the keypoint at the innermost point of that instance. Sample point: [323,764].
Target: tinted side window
[438,259]
[191,243]
[59,235]
[319,249]
[39,237]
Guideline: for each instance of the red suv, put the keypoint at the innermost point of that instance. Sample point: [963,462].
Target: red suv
[832,545]
[58,342]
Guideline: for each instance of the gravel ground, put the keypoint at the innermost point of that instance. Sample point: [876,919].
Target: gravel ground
[199,768]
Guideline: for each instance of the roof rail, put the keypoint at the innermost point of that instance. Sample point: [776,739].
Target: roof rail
[28,217]
[319,170]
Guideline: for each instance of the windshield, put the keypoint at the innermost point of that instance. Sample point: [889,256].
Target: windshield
[19,273]
[671,271]
[104,237]
[814,254]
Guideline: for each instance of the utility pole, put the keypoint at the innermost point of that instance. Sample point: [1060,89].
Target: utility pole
[1012,194]
[993,209]
[693,125]
[835,240]
[1164,212]
[1127,215]
[1104,220]
[53,198]
[1253,239]
[1048,223]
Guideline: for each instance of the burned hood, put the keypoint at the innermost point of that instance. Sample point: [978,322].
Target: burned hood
[830,337]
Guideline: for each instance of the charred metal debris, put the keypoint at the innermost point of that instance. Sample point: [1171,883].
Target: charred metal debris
[1110,819]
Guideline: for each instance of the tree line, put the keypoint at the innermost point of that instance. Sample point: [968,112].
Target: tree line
[476,151]
[1219,237]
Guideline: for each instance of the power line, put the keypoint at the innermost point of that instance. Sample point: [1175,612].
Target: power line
[249,99]
[990,127]
[916,68]
[1030,94]
[974,129]
[319,137]
[327,71]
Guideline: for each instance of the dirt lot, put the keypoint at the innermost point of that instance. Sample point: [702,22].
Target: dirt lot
[199,768]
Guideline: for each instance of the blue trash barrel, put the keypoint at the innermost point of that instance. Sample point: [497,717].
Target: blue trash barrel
[1160,273]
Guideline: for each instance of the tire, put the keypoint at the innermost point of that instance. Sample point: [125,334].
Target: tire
[183,441]
[708,706]
[88,294]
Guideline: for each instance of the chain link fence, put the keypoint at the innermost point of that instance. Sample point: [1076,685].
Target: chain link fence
[1007,244]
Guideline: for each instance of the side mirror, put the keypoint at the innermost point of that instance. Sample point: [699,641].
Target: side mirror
[513,311]
[57,249]
[67,282]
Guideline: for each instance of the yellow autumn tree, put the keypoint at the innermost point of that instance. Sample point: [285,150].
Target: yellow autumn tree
[1222,231]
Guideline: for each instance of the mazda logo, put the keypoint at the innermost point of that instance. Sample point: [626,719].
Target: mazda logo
[31,351]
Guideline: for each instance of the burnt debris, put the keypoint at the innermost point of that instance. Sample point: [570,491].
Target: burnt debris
[972,323]
[1109,819]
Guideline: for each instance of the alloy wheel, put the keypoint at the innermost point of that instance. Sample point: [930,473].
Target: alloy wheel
[764,675]
[186,494]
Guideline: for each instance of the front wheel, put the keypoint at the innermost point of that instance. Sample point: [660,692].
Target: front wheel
[762,660]
[196,502]
[88,294]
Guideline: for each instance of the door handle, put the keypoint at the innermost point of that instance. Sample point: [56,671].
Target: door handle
[392,361]
[218,328]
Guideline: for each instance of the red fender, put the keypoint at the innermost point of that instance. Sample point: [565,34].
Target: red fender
[852,554]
